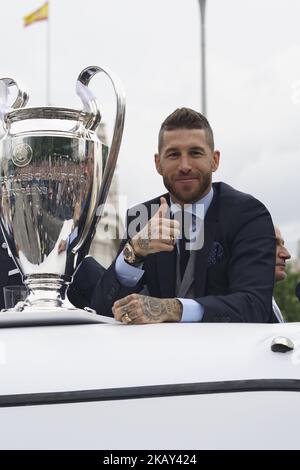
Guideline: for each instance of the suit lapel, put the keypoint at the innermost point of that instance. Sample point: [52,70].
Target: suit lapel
[210,225]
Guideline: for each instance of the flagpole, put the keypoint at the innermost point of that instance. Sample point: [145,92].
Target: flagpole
[202,4]
[48,64]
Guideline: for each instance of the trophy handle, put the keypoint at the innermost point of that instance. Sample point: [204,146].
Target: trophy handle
[21,98]
[90,105]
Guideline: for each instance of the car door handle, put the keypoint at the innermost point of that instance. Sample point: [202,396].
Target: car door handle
[282,344]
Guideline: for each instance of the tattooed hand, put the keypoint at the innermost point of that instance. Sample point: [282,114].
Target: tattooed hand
[138,309]
[158,235]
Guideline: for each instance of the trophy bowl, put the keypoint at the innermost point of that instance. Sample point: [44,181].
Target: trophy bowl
[54,182]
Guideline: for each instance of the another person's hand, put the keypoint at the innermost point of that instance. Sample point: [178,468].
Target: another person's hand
[62,246]
[159,234]
[136,309]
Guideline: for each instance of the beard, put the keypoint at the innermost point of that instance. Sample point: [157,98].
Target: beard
[188,194]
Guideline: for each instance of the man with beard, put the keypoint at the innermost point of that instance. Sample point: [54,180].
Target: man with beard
[201,252]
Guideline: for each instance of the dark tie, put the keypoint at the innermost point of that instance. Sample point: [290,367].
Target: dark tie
[185,238]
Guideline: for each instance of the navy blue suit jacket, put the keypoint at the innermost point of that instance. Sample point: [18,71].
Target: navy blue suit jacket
[7,265]
[234,271]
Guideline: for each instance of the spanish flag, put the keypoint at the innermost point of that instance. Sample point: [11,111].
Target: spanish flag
[39,15]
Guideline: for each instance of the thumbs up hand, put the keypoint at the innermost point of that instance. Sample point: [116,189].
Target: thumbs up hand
[159,234]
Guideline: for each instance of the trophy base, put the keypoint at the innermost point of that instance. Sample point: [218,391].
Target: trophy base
[44,306]
[44,291]
[31,316]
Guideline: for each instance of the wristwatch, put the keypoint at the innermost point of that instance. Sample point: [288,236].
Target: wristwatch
[130,256]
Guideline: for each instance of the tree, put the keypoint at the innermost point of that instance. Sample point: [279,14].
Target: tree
[284,293]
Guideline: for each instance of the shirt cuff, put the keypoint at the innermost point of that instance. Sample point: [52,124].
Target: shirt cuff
[127,275]
[192,311]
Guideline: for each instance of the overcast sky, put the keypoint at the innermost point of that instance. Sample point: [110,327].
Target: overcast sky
[253,75]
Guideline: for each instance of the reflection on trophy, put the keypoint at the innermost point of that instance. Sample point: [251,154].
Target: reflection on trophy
[54,183]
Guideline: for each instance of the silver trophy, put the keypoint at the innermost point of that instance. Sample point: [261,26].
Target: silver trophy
[55,175]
